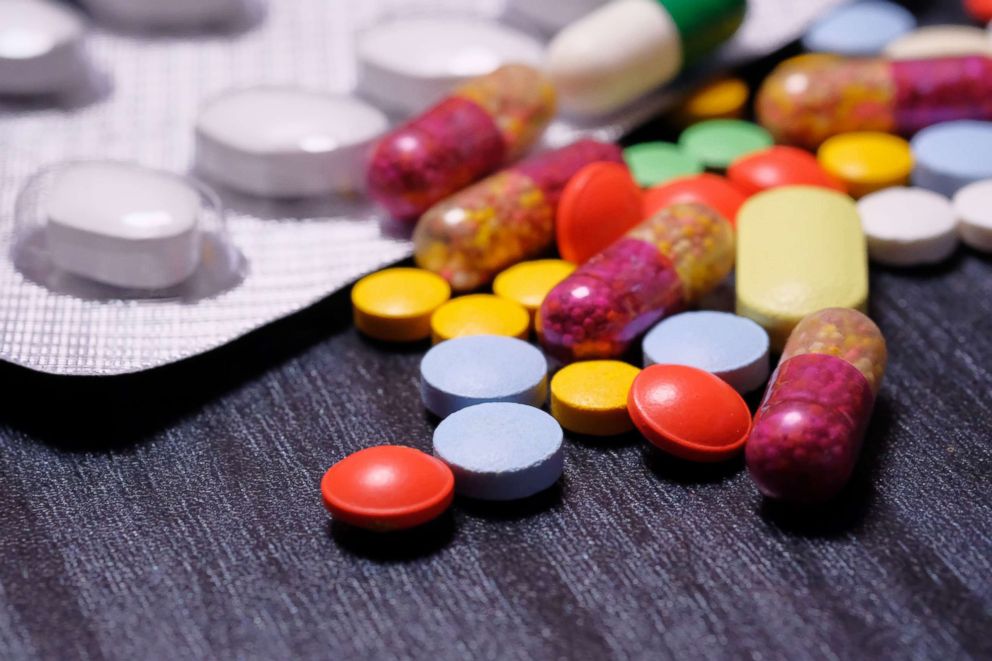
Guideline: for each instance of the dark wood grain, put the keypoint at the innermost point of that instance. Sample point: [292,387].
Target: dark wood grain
[175,514]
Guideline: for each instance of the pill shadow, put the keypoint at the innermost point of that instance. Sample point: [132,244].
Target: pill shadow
[548,500]
[92,89]
[605,443]
[846,512]
[924,271]
[395,546]
[668,468]
[250,18]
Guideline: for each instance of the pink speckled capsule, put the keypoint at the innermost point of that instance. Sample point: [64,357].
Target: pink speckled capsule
[484,124]
[809,99]
[473,235]
[808,431]
[656,269]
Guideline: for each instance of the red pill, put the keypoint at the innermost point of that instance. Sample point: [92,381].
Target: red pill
[689,413]
[780,166]
[598,206]
[712,190]
[387,487]
[980,10]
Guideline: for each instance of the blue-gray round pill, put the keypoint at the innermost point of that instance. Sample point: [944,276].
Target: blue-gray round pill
[733,348]
[501,451]
[482,368]
[950,155]
[859,29]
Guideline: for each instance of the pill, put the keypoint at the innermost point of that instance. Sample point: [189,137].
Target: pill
[500,450]
[980,10]
[808,431]
[175,14]
[42,47]
[667,262]
[859,29]
[598,205]
[689,413]
[654,163]
[712,190]
[395,305]
[527,283]
[621,51]
[780,166]
[286,142]
[939,41]
[908,226]
[973,207]
[731,347]
[123,225]
[407,64]
[485,123]
[799,249]
[718,142]
[803,102]
[479,314]
[951,155]
[503,219]
[590,397]
[551,16]
[482,368]
[387,487]
[724,98]
[866,161]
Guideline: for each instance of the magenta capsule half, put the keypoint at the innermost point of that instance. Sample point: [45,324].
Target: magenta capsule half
[505,218]
[484,124]
[808,99]
[656,269]
[808,431]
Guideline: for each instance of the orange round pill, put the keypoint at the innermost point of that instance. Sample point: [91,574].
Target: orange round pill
[780,166]
[598,206]
[689,413]
[712,190]
[387,487]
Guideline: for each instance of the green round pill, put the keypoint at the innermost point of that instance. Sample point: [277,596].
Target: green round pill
[719,142]
[654,163]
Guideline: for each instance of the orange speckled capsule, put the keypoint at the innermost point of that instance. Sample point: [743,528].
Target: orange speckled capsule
[508,217]
[808,431]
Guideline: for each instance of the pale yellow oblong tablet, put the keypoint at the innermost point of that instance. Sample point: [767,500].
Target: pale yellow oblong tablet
[799,249]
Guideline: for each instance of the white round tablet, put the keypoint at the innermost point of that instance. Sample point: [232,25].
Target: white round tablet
[939,41]
[171,14]
[123,225]
[908,226]
[285,142]
[406,65]
[42,47]
[973,207]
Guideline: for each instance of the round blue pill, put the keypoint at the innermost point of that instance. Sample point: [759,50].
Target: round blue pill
[482,368]
[859,29]
[733,348]
[501,451]
[951,155]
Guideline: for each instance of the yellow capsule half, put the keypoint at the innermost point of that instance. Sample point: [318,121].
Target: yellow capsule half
[799,249]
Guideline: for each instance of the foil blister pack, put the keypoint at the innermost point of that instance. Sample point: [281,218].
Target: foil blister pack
[142,108]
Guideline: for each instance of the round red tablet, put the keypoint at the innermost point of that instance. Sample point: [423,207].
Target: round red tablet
[388,487]
[709,189]
[980,10]
[780,166]
[689,413]
[598,205]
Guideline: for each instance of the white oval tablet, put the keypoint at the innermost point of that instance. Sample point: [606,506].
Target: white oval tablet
[171,14]
[407,65]
[285,142]
[908,226]
[41,47]
[939,41]
[973,208]
[123,225]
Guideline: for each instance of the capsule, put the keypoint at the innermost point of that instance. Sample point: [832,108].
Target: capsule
[484,124]
[503,219]
[808,430]
[665,263]
[621,51]
[808,99]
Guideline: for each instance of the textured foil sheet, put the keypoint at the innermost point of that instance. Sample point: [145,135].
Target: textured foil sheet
[297,253]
